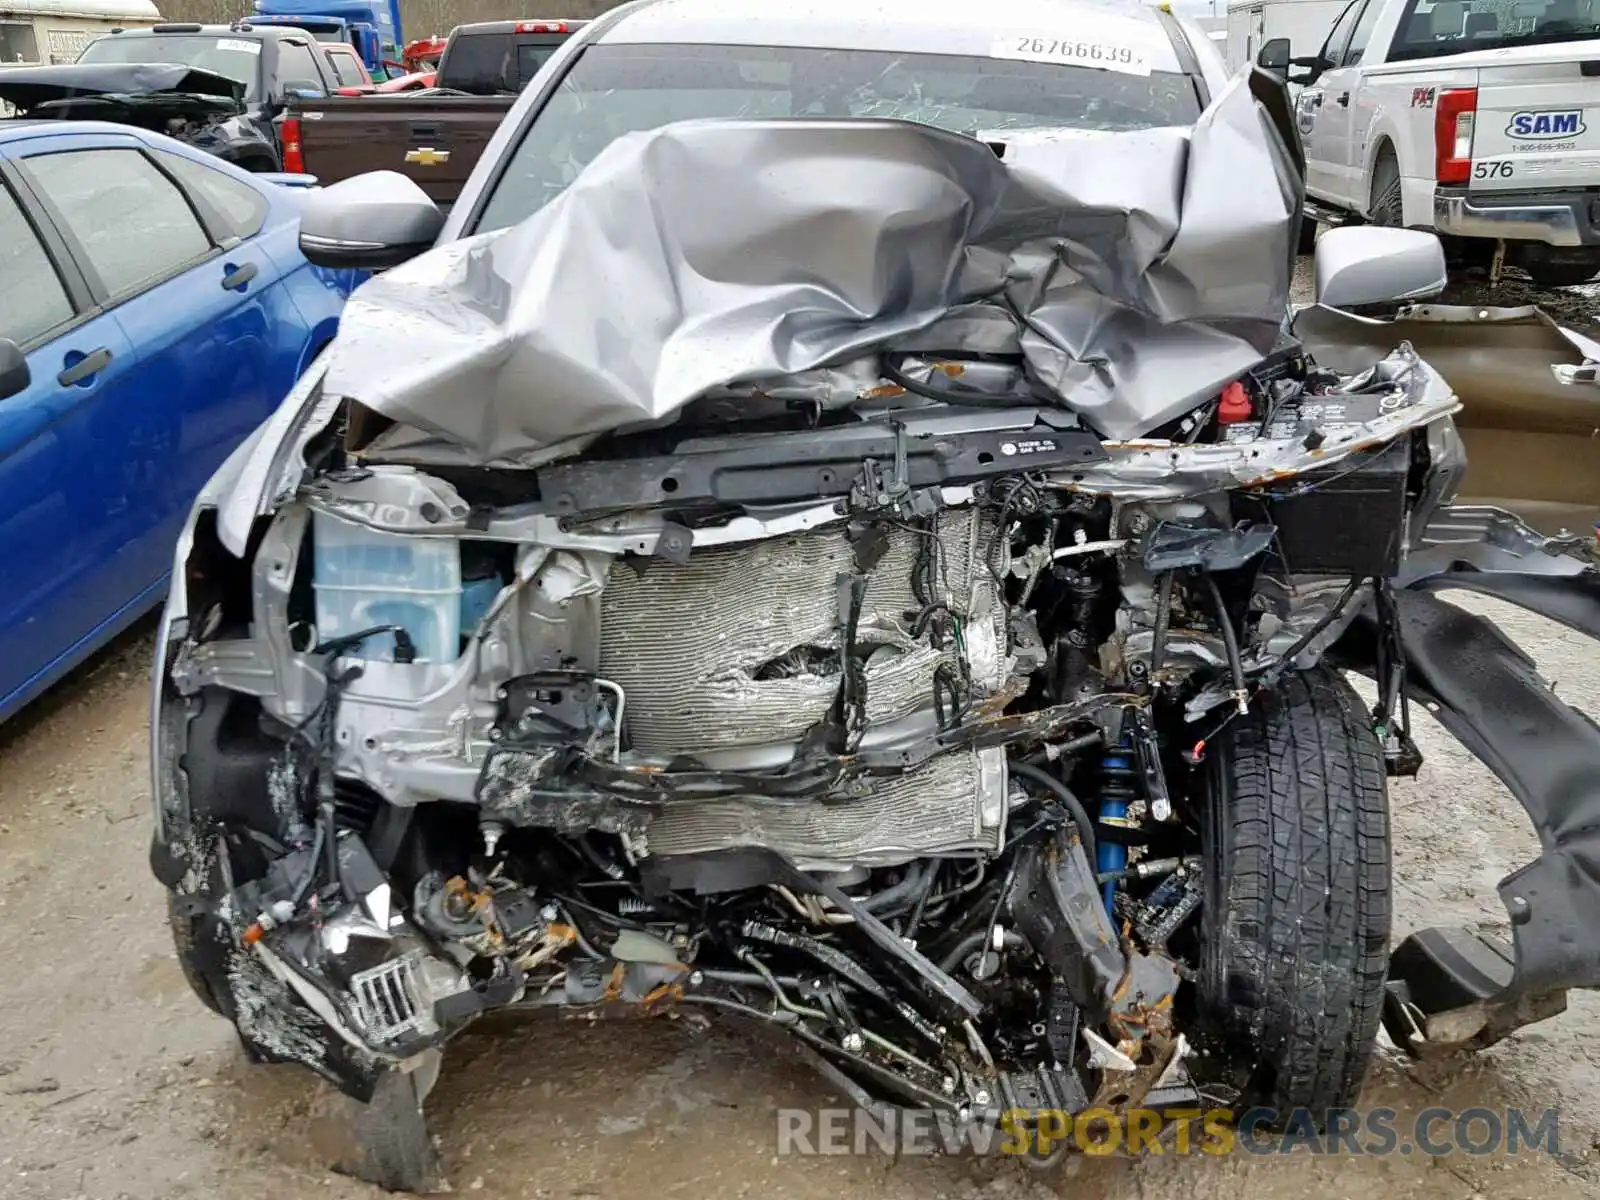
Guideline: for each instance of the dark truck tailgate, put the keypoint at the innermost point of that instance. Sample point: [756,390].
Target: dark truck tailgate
[435,140]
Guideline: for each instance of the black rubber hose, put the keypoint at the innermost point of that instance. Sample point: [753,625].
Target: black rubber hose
[1063,793]
[956,394]
[921,905]
[1230,637]
[973,941]
[891,897]
[983,939]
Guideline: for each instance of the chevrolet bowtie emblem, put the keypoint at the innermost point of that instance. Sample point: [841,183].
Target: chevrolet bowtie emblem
[427,156]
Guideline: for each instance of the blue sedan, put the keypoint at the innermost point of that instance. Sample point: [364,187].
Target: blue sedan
[154,309]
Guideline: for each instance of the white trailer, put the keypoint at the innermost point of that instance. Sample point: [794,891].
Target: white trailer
[1251,22]
[56,31]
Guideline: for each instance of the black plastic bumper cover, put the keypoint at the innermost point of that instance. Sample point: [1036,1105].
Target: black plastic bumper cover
[1490,696]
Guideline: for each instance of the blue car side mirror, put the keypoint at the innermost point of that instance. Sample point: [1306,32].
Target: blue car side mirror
[14,373]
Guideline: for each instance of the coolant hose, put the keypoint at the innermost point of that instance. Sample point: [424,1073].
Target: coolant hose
[1063,793]
[916,875]
[972,944]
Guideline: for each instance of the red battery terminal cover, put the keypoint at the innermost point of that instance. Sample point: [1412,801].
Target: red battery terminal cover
[1235,405]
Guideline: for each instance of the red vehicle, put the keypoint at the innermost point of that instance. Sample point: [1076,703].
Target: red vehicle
[403,83]
[424,54]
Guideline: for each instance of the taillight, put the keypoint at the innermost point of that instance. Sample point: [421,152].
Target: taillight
[1454,114]
[294,162]
[541,27]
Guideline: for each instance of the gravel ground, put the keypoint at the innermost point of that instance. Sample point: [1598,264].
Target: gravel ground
[1578,307]
[114,1082]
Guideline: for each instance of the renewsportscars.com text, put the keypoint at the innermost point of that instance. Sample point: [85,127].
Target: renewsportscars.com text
[1217,1131]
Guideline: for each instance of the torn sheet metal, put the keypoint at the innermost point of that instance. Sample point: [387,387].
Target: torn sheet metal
[31,87]
[1529,420]
[1134,272]
[1164,470]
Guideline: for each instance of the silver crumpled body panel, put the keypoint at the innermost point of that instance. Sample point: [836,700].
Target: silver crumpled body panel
[1136,272]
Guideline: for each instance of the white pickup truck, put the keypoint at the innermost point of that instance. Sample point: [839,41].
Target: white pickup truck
[1479,119]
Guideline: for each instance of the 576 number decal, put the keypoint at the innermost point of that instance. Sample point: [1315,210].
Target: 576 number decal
[1492,168]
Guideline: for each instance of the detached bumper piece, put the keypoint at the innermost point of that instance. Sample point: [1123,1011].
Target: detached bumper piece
[1451,989]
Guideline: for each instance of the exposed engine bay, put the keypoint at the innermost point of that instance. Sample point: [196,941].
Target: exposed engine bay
[995,760]
[915,773]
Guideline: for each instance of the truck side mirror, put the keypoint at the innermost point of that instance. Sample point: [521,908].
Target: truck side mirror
[1274,56]
[1369,264]
[1314,66]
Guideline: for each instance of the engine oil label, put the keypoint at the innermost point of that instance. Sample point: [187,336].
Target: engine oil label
[1030,446]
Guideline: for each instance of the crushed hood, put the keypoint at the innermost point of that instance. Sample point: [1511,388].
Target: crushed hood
[1133,274]
[29,88]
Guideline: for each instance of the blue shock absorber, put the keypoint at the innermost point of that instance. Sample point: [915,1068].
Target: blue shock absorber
[1119,778]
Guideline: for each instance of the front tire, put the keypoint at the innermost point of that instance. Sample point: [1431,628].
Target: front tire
[1296,928]
[384,1141]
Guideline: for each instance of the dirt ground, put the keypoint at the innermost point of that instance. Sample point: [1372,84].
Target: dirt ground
[116,1083]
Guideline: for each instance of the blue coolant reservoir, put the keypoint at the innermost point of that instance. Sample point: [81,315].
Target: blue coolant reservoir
[363,578]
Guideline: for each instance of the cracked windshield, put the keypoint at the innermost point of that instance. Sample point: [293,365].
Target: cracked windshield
[613,90]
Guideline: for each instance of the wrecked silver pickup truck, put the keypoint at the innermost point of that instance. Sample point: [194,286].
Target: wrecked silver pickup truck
[887,585]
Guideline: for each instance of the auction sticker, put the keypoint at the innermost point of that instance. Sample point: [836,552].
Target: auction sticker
[240,44]
[1106,53]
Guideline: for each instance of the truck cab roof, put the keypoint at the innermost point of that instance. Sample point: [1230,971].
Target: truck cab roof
[538,25]
[239,29]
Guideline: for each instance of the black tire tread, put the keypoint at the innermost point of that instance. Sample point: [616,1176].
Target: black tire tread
[386,1140]
[1298,910]
[1387,206]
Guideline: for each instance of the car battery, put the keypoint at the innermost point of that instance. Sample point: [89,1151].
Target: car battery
[1347,518]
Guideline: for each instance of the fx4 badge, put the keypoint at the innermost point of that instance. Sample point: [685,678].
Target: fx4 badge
[1533,126]
[1423,97]
[427,156]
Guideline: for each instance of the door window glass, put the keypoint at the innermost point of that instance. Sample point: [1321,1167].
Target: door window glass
[33,301]
[242,207]
[346,68]
[1339,36]
[131,220]
[1362,34]
[297,67]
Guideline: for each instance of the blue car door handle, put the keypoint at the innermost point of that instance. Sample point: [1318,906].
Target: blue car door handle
[85,368]
[238,278]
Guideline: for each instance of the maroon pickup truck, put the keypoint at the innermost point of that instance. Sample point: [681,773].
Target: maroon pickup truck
[432,135]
